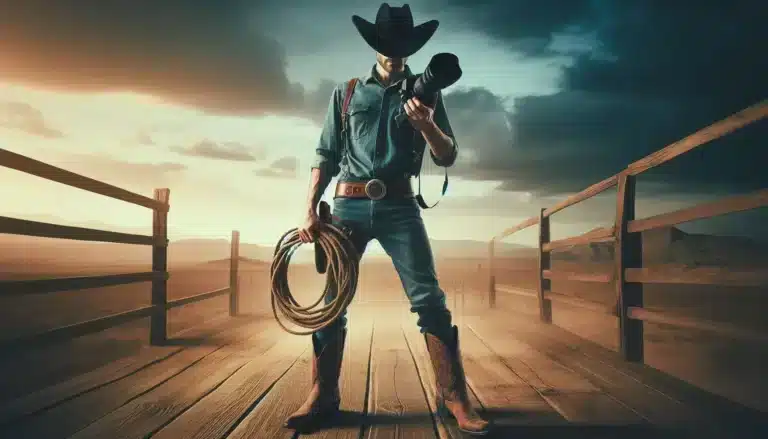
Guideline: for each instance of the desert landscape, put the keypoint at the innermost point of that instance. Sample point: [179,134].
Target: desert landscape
[727,367]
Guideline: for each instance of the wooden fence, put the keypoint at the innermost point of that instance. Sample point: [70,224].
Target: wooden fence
[157,311]
[629,275]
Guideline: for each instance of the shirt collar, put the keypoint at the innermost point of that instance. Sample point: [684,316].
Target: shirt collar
[370,76]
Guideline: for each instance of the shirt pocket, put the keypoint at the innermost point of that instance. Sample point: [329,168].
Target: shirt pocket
[363,119]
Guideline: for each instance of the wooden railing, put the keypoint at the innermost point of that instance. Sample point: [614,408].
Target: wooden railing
[629,275]
[157,311]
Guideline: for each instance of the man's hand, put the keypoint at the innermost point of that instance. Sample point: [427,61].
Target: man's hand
[308,230]
[419,115]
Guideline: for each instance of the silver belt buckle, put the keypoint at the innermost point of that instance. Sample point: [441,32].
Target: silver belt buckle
[375,189]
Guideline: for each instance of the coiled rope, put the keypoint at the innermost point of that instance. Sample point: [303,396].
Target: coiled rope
[341,280]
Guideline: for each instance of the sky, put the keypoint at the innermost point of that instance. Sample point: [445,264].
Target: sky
[222,102]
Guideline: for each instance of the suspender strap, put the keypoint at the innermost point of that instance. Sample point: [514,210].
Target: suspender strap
[347,98]
[344,115]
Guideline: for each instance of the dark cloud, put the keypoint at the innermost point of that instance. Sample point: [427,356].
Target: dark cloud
[233,151]
[285,167]
[525,26]
[665,71]
[194,52]
[24,117]
[315,103]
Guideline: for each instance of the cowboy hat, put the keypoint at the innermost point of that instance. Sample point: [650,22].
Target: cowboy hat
[393,34]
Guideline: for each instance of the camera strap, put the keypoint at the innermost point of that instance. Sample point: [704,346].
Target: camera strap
[420,160]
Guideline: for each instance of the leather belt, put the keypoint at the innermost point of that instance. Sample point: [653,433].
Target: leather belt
[374,189]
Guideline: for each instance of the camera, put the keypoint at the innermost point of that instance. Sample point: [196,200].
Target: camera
[442,71]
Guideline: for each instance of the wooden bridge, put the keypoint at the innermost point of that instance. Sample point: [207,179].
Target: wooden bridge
[239,376]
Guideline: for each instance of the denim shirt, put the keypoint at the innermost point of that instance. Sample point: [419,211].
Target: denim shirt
[377,145]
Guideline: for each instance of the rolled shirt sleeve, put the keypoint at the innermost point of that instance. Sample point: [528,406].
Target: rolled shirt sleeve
[328,152]
[441,120]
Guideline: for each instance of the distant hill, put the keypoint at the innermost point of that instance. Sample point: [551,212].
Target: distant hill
[26,253]
[662,246]
[670,245]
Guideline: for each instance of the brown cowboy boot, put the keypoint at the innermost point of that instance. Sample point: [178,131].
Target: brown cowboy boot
[324,398]
[451,386]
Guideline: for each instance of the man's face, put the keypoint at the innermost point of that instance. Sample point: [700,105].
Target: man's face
[390,64]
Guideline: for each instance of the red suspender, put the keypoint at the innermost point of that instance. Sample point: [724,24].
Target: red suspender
[347,98]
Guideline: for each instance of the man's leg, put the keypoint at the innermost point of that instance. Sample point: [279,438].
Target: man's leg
[402,234]
[328,343]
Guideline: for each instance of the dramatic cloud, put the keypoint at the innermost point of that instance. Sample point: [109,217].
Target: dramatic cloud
[232,151]
[193,52]
[525,26]
[660,76]
[24,117]
[285,167]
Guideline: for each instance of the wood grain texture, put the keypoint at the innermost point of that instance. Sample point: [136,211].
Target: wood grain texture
[577,399]
[578,276]
[49,396]
[523,225]
[43,286]
[674,274]
[398,404]
[603,234]
[663,400]
[732,204]
[22,163]
[151,411]
[219,411]
[721,328]
[591,191]
[267,418]
[287,395]
[507,397]
[66,418]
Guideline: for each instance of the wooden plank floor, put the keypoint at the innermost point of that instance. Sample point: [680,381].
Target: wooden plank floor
[242,378]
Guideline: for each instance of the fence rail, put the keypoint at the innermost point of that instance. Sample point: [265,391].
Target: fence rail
[157,311]
[628,274]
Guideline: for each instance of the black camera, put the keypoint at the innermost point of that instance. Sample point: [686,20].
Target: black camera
[442,71]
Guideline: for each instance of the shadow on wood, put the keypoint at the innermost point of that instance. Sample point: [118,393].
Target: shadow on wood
[575,431]
[347,418]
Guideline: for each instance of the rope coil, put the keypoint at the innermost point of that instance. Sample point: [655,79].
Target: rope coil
[341,280]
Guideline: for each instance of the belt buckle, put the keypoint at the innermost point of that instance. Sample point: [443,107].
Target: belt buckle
[375,189]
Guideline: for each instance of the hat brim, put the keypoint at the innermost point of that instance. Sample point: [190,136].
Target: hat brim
[400,47]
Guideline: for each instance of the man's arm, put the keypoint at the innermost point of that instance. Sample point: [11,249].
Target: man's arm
[327,155]
[439,136]
[318,183]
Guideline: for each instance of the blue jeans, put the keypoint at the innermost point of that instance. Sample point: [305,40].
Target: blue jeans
[397,225]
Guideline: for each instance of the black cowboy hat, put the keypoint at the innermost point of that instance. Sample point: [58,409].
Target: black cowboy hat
[394,34]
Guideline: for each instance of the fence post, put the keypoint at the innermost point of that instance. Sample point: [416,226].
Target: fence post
[628,253]
[544,285]
[158,325]
[234,284]
[491,274]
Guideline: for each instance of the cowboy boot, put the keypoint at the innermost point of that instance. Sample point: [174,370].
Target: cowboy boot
[324,398]
[451,386]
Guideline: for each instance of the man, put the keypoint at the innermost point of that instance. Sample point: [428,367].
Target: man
[374,156]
